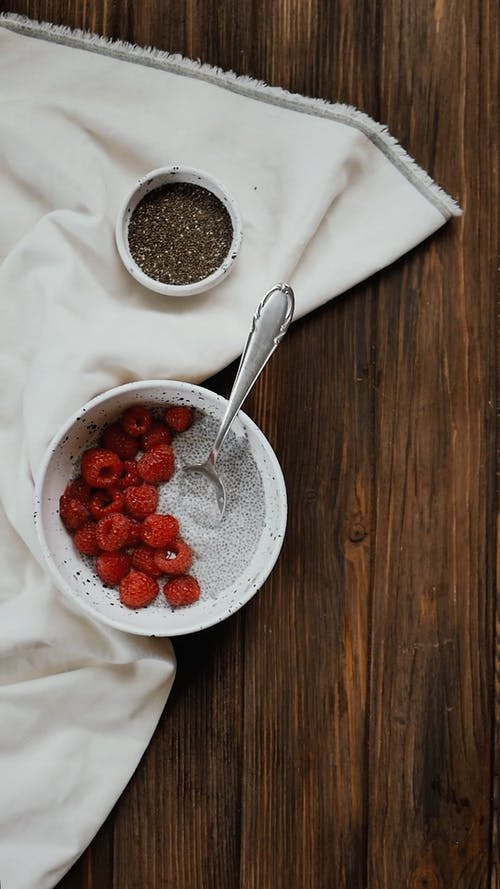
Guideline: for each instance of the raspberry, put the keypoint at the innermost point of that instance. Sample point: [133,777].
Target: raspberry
[120,442]
[85,539]
[182,590]
[78,489]
[100,468]
[177,558]
[103,503]
[143,560]
[138,590]
[157,434]
[134,533]
[157,465]
[142,501]
[112,567]
[113,532]
[130,475]
[73,512]
[136,420]
[179,417]
[159,530]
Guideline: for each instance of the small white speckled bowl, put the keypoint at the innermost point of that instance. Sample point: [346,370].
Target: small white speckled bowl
[231,559]
[169,176]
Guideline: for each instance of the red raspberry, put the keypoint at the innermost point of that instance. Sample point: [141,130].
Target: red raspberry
[134,534]
[85,539]
[103,503]
[142,501]
[73,512]
[100,468]
[120,442]
[157,434]
[136,420]
[113,532]
[112,567]
[182,590]
[159,530]
[179,417]
[138,590]
[177,558]
[130,475]
[143,560]
[157,465]
[78,489]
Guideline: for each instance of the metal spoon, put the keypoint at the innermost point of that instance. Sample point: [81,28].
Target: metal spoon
[270,323]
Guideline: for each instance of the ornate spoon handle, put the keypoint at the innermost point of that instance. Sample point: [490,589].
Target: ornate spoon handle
[270,323]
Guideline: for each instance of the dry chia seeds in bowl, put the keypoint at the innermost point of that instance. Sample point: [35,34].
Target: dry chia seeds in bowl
[180,233]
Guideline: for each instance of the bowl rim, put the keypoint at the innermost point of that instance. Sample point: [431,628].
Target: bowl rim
[260,576]
[140,189]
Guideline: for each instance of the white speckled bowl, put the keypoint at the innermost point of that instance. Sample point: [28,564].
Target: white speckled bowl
[169,176]
[232,558]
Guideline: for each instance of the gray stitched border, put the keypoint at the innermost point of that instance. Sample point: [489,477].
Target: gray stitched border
[244,86]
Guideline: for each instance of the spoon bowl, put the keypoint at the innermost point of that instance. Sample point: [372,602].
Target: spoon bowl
[208,471]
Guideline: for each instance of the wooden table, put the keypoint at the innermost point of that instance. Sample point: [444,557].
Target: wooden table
[340,730]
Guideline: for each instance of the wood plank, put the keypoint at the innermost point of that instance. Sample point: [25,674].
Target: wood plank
[431,683]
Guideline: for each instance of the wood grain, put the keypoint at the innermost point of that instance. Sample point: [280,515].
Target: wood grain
[431,694]
[342,731]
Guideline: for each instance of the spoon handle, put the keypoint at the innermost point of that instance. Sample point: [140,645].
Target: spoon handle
[270,323]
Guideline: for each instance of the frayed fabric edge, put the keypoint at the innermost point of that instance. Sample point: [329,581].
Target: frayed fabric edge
[246,86]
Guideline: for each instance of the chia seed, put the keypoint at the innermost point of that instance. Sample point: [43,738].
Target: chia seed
[180,233]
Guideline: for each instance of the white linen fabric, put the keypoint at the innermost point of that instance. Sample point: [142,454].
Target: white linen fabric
[327,198]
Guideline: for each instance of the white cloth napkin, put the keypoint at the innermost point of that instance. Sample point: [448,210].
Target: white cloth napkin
[327,198]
